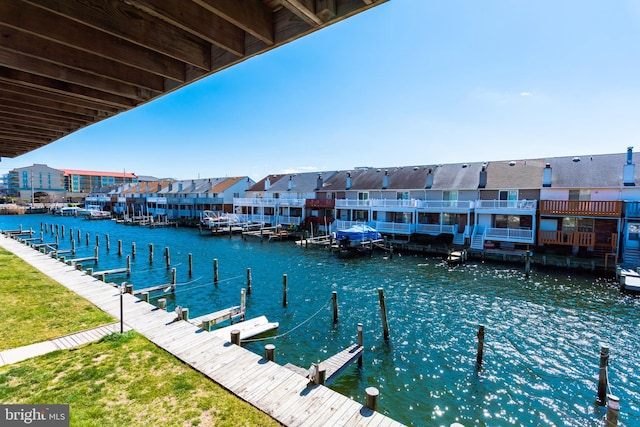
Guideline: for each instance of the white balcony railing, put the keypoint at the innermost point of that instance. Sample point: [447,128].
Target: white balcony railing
[394,227]
[391,203]
[436,229]
[347,203]
[509,235]
[287,219]
[256,201]
[444,205]
[525,205]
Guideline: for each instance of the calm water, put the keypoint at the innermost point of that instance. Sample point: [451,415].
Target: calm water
[542,336]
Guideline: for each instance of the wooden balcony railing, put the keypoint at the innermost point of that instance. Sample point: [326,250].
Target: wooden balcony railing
[320,203]
[569,238]
[608,208]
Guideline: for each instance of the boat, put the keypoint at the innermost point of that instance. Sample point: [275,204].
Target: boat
[99,215]
[71,210]
[356,235]
[630,281]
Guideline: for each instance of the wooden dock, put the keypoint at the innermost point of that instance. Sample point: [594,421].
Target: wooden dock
[248,328]
[205,322]
[334,365]
[283,394]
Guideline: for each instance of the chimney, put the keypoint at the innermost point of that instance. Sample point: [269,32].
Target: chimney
[179,187]
[546,176]
[628,170]
[159,187]
[482,183]
[171,186]
[319,182]
[348,185]
[210,184]
[291,183]
[429,183]
[193,185]
[385,180]
[267,184]
[248,183]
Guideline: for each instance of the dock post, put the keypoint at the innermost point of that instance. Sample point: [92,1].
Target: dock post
[95,253]
[167,257]
[173,279]
[215,271]
[235,337]
[128,265]
[97,239]
[162,303]
[360,343]
[57,242]
[243,304]
[334,300]
[284,290]
[206,325]
[133,250]
[144,296]
[612,411]
[103,277]
[480,347]
[128,288]
[70,233]
[107,242]
[119,247]
[79,239]
[89,271]
[122,306]
[86,238]
[372,398]
[150,253]
[383,310]
[269,352]
[320,373]
[602,380]
[190,257]
[527,264]
[79,266]
[248,281]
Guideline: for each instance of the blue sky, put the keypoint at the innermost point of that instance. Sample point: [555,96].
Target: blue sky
[408,82]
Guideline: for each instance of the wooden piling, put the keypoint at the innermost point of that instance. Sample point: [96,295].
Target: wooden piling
[284,290]
[107,242]
[128,265]
[167,257]
[173,279]
[162,303]
[215,271]
[269,352]
[602,380]
[150,253]
[248,281]
[480,347]
[372,398]
[96,251]
[86,238]
[70,233]
[334,301]
[243,304]
[360,343]
[73,247]
[97,240]
[319,373]
[235,337]
[613,409]
[527,263]
[133,250]
[89,271]
[144,296]
[79,239]
[383,310]
[119,247]
[128,288]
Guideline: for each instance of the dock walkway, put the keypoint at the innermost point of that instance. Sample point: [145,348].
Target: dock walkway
[283,394]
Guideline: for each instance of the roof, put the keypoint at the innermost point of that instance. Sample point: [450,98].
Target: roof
[97,173]
[596,171]
[306,182]
[515,174]
[65,65]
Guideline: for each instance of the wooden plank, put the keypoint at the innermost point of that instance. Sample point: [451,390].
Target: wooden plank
[314,418]
[311,400]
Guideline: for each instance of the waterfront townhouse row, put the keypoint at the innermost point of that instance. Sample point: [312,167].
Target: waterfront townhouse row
[581,205]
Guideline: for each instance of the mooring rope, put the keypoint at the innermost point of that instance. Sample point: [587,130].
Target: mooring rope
[290,330]
[606,372]
[194,287]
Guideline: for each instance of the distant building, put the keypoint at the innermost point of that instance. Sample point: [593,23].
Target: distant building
[42,184]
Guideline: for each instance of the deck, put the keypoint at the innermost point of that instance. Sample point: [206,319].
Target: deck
[283,394]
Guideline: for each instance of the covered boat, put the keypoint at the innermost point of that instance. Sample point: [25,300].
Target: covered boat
[357,234]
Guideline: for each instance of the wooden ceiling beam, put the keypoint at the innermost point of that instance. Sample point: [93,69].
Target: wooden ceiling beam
[305,9]
[60,73]
[156,35]
[47,103]
[26,109]
[28,18]
[18,129]
[252,16]
[197,21]
[41,123]
[27,44]
[48,84]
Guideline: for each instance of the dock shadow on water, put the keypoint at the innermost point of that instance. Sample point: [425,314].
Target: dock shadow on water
[542,334]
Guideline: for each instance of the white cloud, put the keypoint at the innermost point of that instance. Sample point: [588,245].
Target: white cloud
[526,94]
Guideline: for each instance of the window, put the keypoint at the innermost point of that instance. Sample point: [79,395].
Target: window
[450,195]
[402,195]
[508,195]
[363,195]
[579,194]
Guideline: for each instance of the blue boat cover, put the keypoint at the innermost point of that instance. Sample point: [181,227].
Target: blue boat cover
[358,233]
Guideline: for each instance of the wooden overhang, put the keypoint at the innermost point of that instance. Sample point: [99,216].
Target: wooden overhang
[68,64]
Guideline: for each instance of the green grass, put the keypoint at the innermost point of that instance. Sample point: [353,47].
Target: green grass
[125,380]
[36,308]
[121,380]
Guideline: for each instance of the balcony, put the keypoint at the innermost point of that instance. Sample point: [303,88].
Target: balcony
[444,205]
[393,203]
[504,206]
[632,209]
[394,227]
[257,201]
[568,238]
[515,235]
[348,203]
[606,208]
[436,229]
[321,203]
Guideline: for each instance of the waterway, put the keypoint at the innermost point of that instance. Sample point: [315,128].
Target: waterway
[542,334]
